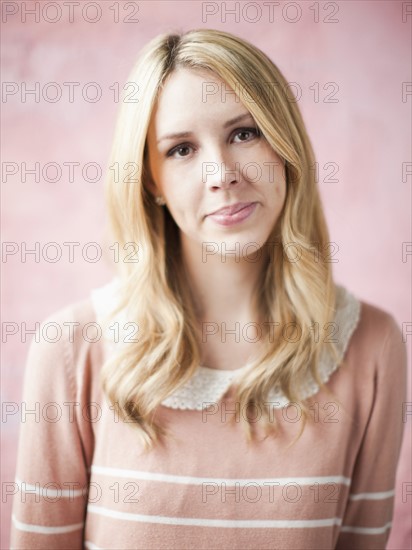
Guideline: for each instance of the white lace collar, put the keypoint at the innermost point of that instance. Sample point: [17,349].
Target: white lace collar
[209,385]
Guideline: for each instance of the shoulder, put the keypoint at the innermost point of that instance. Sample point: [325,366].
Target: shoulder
[377,326]
[60,345]
[65,326]
[80,311]
[378,338]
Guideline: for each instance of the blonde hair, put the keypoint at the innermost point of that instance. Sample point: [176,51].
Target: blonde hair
[153,290]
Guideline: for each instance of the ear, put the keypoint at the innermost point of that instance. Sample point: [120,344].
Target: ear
[147,175]
[150,184]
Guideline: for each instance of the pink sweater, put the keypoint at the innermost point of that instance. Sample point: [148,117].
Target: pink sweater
[82,481]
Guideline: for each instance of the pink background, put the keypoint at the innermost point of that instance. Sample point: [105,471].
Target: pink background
[367,53]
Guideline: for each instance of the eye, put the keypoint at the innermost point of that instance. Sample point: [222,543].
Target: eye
[178,148]
[254,131]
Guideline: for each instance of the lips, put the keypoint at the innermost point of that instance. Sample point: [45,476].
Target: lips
[232,209]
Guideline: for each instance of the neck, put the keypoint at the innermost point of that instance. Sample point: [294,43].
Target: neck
[223,287]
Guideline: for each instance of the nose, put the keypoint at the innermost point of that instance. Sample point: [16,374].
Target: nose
[220,170]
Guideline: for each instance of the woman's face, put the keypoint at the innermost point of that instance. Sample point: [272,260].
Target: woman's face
[217,163]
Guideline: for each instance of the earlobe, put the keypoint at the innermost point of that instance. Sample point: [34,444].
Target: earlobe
[160,200]
[152,188]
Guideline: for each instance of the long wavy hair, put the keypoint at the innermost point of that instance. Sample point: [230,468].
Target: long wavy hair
[154,291]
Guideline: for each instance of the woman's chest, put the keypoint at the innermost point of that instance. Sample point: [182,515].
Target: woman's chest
[207,488]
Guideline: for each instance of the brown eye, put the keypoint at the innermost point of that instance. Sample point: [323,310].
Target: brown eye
[178,148]
[254,131]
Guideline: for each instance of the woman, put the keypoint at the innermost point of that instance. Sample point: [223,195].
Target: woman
[216,411]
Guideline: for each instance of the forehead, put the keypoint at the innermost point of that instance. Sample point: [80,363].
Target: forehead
[196,82]
[189,95]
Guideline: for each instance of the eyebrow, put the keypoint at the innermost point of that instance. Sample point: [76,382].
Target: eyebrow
[225,125]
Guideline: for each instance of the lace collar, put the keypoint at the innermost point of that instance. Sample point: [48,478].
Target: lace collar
[209,385]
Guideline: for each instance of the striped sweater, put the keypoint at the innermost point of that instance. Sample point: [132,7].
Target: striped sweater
[82,480]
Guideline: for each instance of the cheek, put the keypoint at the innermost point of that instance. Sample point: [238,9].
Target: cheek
[280,181]
[280,190]
[180,197]
[275,186]
[271,169]
[186,191]
[184,202]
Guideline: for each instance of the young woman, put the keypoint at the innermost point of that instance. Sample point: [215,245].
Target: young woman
[237,397]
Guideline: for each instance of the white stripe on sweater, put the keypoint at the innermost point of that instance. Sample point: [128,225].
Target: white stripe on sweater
[372,496]
[366,530]
[44,530]
[190,480]
[90,546]
[200,522]
[49,492]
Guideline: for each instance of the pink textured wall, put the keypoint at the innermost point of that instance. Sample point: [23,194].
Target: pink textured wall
[360,50]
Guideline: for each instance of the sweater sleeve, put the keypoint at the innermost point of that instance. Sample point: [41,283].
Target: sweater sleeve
[50,487]
[368,516]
